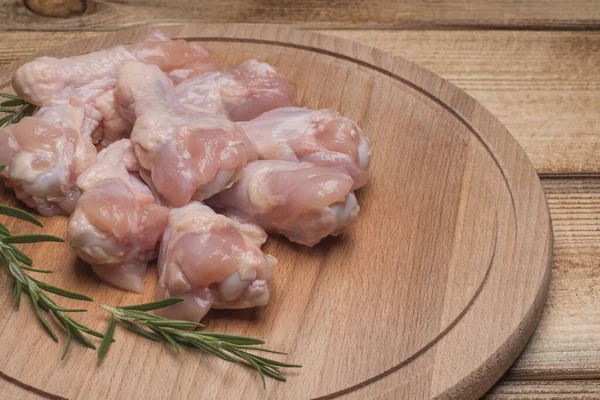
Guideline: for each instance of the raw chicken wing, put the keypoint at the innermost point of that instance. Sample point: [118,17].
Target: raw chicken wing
[116,225]
[90,78]
[44,155]
[303,202]
[184,155]
[239,93]
[321,137]
[210,260]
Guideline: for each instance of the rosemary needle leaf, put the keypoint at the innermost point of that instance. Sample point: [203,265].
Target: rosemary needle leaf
[209,348]
[43,320]
[87,330]
[67,323]
[2,167]
[16,272]
[44,306]
[243,347]
[233,339]
[24,111]
[83,339]
[274,374]
[255,366]
[107,340]
[155,305]
[170,340]
[5,121]
[40,271]
[133,327]
[68,310]
[20,214]
[61,292]
[167,323]
[19,255]
[276,363]
[17,293]
[34,238]
[9,96]
[4,230]
[6,110]
[13,103]
[64,354]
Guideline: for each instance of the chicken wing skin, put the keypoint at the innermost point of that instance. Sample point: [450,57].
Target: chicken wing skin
[301,201]
[91,78]
[321,137]
[184,155]
[44,155]
[239,93]
[116,226]
[210,260]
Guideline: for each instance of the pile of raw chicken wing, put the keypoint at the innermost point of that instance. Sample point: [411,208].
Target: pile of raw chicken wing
[199,160]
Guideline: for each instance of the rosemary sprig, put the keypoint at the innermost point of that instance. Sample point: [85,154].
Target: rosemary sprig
[230,348]
[18,264]
[16,108]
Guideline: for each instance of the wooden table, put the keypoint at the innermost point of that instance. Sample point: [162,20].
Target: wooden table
[535,65]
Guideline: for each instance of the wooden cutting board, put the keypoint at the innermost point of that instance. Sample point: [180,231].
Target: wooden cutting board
[432,293]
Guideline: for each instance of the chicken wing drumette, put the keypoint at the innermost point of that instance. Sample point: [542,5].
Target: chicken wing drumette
[210,260]
[116,226]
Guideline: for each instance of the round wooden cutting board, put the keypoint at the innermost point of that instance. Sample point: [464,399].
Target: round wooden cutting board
[432,293]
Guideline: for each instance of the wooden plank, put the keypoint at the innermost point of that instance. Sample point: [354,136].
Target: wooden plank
[543,86]
[16,45]
[566,343]
[536,390]
[316,14]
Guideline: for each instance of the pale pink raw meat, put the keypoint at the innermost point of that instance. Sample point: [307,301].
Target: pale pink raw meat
[193,69]
[301,201]
[116,226]
[210,260]
[321,137]
[184,155]
[44,155]
[49,81]
[113,126]
[239,93]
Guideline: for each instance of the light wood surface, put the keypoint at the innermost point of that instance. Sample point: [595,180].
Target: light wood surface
[516,14]
[562,105]
[555,390]
[425,312]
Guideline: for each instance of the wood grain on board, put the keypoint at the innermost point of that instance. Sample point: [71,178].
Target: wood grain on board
[543,86]
[445,173]
[382,14]
[12,390]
